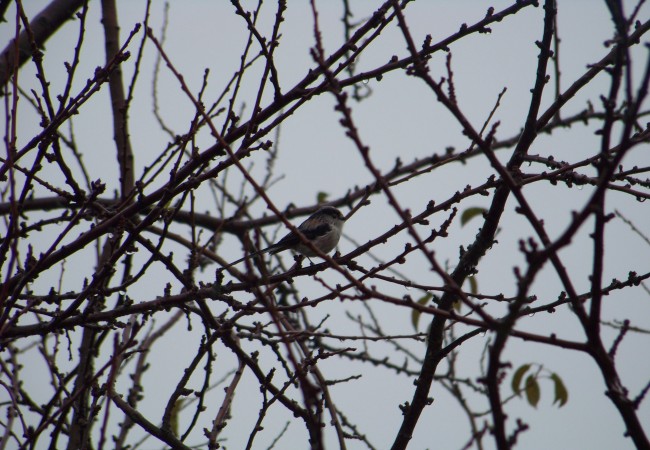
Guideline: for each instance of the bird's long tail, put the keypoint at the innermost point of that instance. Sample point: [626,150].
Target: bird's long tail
[250,255]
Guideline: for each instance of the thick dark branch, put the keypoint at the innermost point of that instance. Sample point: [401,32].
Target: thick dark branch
[118,100]
[43,26]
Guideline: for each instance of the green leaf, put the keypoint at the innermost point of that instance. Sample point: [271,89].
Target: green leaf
[532,391]
[561,393]
[416,313]
[517,377]
[473,284]
[173,420]
[470,213]
[321,197]
[473,288]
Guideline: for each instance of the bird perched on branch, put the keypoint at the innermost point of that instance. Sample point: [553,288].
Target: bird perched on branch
[322,230]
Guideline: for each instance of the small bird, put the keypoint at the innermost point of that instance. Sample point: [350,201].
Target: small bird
[323,229]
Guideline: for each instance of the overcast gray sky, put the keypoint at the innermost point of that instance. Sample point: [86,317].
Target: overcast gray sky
[401,119]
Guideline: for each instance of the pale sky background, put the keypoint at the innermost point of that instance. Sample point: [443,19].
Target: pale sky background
[401,119]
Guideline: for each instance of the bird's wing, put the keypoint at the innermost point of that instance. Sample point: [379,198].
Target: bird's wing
[288,241]
[292,239]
